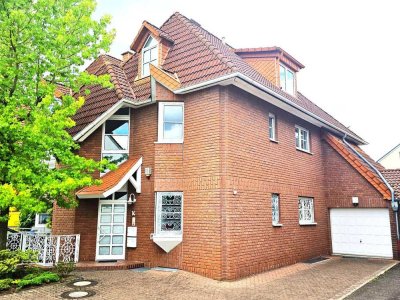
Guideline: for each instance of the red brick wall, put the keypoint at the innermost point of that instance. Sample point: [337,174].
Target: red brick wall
[343,182]
[256,168]
[226,148]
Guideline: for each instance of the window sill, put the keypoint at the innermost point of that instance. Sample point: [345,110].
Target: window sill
[167,243]
[308,224]
[277,225]
[304,151]
[274,141]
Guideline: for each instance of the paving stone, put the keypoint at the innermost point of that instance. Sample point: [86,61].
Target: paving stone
[329,279]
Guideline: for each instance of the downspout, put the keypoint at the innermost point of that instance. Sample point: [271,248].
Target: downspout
[394,202]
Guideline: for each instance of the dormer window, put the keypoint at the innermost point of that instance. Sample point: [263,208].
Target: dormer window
[286,79]
[149,55]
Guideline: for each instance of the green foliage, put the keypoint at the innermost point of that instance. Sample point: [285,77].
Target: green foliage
[42,43]
[5,284]
[36,279]
[11,260]
[63,269]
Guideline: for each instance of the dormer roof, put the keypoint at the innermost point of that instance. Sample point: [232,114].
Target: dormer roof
[146,29]
[269,52]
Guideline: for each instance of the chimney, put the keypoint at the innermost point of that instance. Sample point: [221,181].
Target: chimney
[127,55]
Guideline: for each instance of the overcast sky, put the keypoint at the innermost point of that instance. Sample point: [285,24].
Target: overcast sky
[351,49]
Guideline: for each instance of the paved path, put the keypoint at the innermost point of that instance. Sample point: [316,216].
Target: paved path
[329,279]
[386,286]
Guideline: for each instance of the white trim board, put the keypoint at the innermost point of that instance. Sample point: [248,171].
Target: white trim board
[247,84]
[89,129]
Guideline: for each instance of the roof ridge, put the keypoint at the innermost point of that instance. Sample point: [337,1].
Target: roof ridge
[194,29]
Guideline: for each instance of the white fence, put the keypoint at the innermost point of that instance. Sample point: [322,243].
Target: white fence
[51,248]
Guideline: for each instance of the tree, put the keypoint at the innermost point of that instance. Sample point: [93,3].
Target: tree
[44,43]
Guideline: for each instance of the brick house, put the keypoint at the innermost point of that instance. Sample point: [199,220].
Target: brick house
[224,168]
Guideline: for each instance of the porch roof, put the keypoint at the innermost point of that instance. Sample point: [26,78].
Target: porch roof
[114,180]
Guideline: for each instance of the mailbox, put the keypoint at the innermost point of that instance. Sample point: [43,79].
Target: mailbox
[131,239]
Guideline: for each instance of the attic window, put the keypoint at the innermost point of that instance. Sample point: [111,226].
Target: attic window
[149,55]
[286,79]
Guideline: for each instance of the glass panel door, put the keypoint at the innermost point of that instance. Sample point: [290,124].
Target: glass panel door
[111,230]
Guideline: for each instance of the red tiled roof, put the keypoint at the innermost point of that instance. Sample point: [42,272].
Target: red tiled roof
[196,56]
[110,180]
[101,99]
[199,56]
[358,164]
[61,90]
[393,177]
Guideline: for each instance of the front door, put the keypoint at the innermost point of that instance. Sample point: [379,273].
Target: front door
[111,230]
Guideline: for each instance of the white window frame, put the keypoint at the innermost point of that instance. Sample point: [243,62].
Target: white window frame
[154,62]
[37,217]
[157,217]
[272,129]
[276,222]
[298,139]
[302,208]
[161,138]
[283,85]
[121,118]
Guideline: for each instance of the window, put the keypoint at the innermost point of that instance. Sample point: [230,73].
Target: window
[302,139]
[306,210]
[116,137]
[286,79]
[275,209]
[169,214]
[170,122]
[150,55]
[41,219]
[272,127]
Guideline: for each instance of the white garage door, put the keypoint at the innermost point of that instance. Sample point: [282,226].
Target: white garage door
[361,232]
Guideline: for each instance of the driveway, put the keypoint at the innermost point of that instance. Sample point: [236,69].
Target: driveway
[329,279]
[386,286]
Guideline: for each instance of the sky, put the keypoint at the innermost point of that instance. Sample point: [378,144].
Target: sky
[350,49]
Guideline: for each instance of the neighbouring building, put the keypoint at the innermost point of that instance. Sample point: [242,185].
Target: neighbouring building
[391,160]
[225,168]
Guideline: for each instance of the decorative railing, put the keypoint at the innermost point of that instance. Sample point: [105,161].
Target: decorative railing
[51,248]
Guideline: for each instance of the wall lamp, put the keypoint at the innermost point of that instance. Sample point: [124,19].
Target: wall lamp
[147,171]
[354,200]
[395,206]
[131,199]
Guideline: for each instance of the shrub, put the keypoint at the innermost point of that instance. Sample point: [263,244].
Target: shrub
[64,268]
[36,279]
[11,260]
[5,283]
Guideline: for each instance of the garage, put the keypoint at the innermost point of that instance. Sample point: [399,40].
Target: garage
[361,232]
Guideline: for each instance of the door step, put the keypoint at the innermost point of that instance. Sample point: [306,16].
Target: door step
[100,266]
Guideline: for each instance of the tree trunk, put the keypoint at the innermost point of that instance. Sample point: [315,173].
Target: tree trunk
[3,229]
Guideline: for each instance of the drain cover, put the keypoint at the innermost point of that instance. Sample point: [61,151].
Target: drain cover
[315,260]
[79,283]
[140,270]
[82,283]
[164,269]
[77,294]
